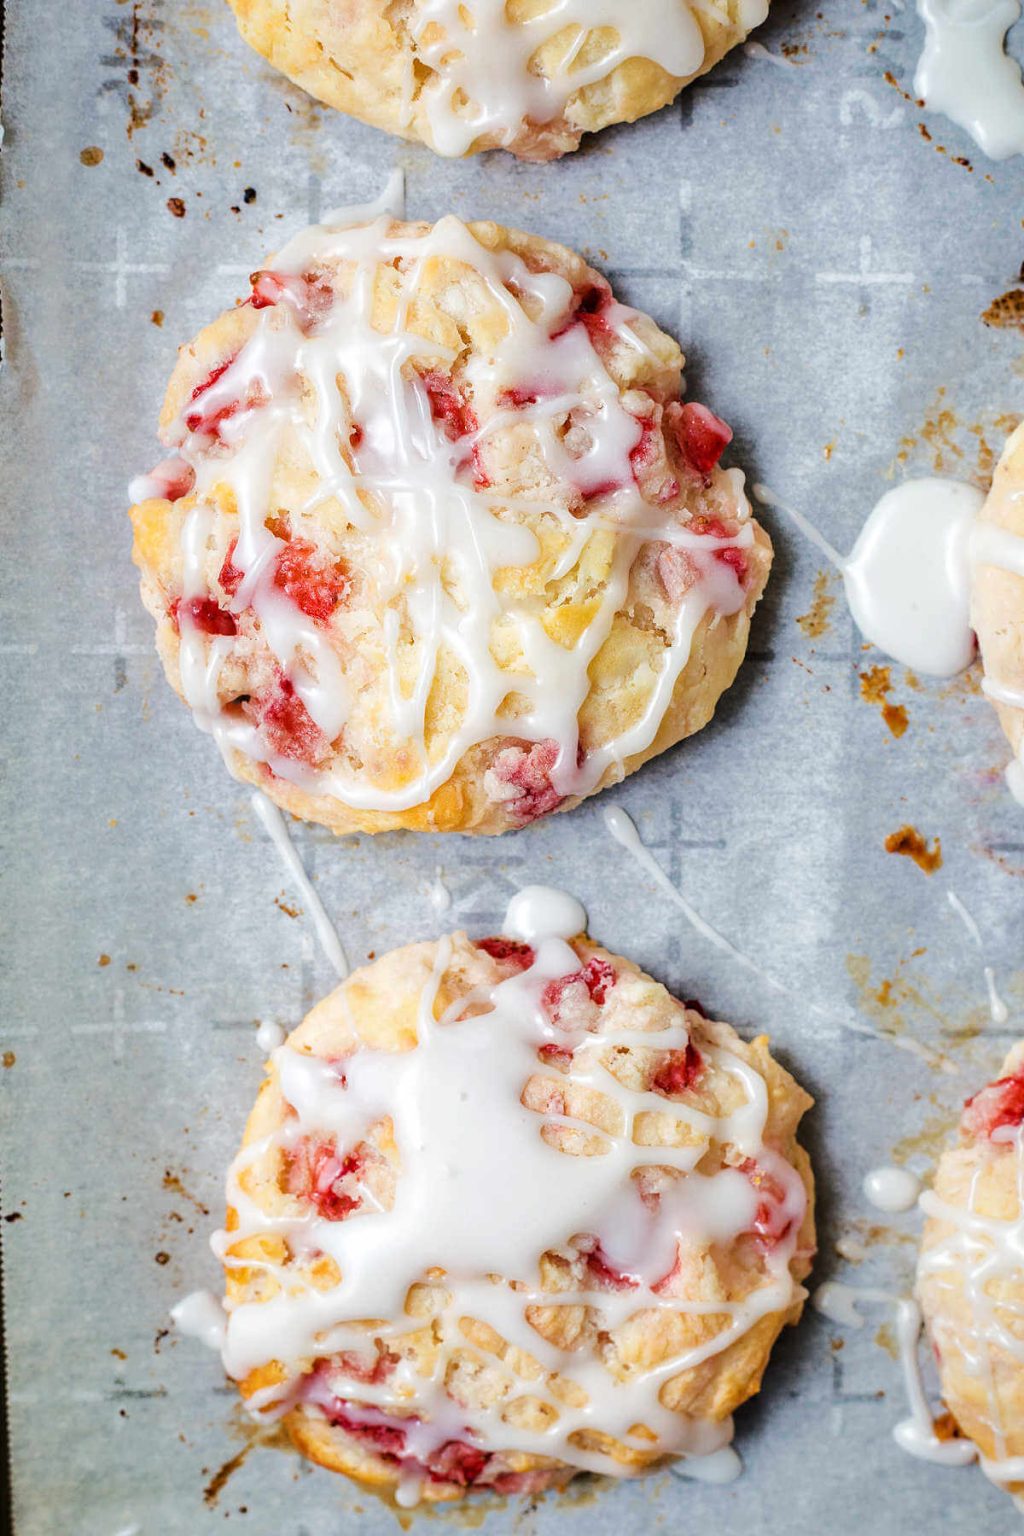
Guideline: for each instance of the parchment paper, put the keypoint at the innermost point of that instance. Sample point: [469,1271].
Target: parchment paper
[825,266]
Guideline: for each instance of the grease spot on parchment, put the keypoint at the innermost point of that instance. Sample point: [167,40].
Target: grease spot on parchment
[815,622]
[875,687]
[908,842]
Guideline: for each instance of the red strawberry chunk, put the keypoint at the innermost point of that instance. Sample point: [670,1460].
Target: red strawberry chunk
[318,1174]
[204,614]
[522,777]
[570,1002]
[314,585]
[601,1272]
[1000,1103]
[678,1072]
[771,1222]
[310,297]
[509,951]
[643,455]
[209,422]
[702,436]
[555,1056]
[457,1462]
[448,405]
[171,478]
[231,575]
[289,730]
[387,1439]
[714,528]
[589,308]
[360,1368]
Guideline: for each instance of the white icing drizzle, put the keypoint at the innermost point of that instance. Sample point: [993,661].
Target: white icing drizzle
[438,894]
[201,1316]
[623,829]
[907,578]
[979,1256]
[916,1434]
[998,1011]
[464,1136]
[839,1302]
[892,1189]
[432,541]
[270,1035]
[485,85]
[277,831]
[965,71]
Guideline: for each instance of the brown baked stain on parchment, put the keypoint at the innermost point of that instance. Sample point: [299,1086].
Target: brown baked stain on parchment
[905,1001]
[947,444]
[816,621]
[875,687]
[215,1487]
[172,1182]
[139,73]
[908,842]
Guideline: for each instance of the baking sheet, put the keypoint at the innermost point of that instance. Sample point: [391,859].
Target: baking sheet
[825,266]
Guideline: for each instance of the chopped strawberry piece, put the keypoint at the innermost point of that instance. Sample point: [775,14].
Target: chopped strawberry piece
[522,777]
[642,456]
[230,576]
[518,397]
[310,297]
[702,436]
[565,1000]
[387,1439]
[1000,1103]
[589,308]
[678,1072]
[520,955]
[457,1462]
[602,1272]
[448,406]
[319,1175]
[171,478]
[599,976]
[208,423]
[314,585]
[676,571]
[360,1368]
[771,1222]
[715,529]
[203,613]
[555,1056]
[288,728]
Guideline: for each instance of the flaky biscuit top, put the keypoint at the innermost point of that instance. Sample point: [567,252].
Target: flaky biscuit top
[439,538]
[513,1196]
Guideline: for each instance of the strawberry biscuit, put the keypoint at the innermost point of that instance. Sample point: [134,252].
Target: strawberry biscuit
[997,598]
[970,1279]
[506,1211]
[530,76]
[438,544]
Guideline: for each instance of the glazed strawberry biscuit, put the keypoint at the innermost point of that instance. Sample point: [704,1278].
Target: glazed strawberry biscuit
[531,76]
[438,544]
[505,1211]
[997,598]
[971,1274]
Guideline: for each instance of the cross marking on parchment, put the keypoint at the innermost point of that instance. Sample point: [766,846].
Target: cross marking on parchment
[864,274]
[121,268]
[118,1026]
[119,646]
